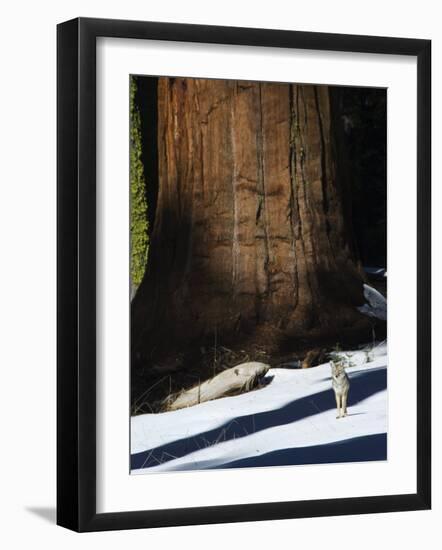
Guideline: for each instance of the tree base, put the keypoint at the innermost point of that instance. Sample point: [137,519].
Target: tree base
[180,368]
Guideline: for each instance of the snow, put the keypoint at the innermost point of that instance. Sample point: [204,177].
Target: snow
[376,305]
[291,420]
[376,272]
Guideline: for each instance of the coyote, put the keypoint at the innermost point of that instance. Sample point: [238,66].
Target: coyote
[341,385]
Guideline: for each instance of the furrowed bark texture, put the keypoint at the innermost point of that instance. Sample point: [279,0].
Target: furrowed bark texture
[250,239]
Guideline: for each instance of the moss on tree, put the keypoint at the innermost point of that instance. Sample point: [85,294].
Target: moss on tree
[139,244]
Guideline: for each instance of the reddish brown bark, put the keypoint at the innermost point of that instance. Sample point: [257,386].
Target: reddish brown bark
[250,237]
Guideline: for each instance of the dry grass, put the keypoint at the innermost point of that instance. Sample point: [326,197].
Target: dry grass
[150,394]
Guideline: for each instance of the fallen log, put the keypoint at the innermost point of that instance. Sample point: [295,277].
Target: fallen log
[239,379]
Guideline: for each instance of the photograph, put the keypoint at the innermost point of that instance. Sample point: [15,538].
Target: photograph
[205,212]
[258,274]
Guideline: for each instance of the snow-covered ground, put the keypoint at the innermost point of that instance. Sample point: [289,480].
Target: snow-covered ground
[292,420]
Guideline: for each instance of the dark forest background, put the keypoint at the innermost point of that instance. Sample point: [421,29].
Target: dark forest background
[363,115]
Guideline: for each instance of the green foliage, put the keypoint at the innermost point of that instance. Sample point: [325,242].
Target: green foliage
[139,240]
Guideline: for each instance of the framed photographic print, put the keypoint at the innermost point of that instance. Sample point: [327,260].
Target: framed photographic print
[236,207]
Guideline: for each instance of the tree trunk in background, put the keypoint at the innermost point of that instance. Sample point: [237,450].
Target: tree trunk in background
[250,242]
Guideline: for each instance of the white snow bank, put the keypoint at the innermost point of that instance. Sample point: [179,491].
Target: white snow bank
[376,305]
[292,420]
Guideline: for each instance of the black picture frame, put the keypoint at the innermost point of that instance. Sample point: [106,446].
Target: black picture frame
[76,273]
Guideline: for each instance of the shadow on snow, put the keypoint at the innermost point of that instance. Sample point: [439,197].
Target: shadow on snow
[356,449]
[363,385]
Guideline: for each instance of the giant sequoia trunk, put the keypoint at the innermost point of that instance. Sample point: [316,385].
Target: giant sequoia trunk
[251,242]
